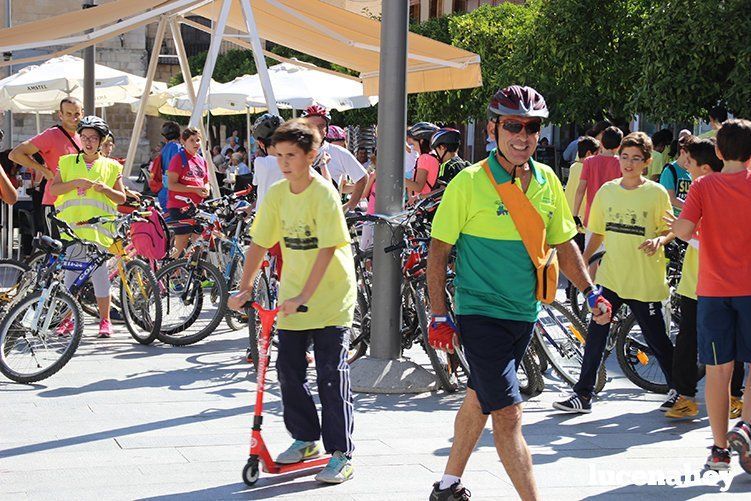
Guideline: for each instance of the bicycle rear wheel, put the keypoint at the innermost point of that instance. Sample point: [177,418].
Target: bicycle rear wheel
[141,306]
[194,298]
[530,378]
[261,295]
[442,366]
[31,353]
[560,335]
[235,320]
[636,358]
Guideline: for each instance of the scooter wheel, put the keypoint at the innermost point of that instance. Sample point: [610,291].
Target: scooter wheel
[251,473]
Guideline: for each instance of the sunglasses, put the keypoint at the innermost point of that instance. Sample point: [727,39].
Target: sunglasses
[515,127]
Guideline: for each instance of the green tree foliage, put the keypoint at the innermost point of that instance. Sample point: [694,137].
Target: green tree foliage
[694,55]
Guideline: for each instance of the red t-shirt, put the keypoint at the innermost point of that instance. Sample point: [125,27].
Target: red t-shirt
[596,171]
[722,204]
[52,144]
[192,173]
[430,164]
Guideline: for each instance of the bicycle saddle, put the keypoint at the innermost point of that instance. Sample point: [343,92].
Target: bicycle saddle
[47,244]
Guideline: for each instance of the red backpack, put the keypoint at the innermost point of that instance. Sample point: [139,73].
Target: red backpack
[156,172]
[150,238]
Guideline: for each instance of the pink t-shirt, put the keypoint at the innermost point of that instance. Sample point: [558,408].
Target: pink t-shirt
[192,174]
[430,164]
[713,200]
[596,171]
[52,144]
[372,197]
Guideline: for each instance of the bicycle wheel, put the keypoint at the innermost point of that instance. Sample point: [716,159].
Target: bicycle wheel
[438,359]
[14,281]
[235,320]
[636,358]
[360,331]
[32,351]
[141,306]
[261,295]
[194,298]
[577,302]
[530,378]
[560,335]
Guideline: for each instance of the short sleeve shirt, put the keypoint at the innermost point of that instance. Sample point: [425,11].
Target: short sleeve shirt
[342,163]
[190,173]
[596,171]
[494,275]
[720,203]
[52,144]
[627,218]
[266,172]
[301,234]
[430,164]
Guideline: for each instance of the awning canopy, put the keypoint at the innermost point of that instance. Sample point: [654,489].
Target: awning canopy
[311,26]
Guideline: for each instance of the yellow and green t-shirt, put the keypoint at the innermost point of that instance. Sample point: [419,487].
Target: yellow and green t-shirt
[302,224]
[494,274]
[627,218]
[690,271]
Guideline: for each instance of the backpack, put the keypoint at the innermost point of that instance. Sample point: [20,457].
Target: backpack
[450,169]
[156,171]
[150,238]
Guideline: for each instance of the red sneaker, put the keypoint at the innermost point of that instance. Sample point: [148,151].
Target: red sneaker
[65,327]
[739,440]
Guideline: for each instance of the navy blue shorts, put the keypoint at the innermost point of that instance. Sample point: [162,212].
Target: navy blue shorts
[175,227]
[494,350]
[723,327]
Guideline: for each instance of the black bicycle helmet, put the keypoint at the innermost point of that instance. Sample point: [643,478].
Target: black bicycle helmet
[445,136]
[422,131]
[265,126]
[96,123]
[170,131]
[517,101]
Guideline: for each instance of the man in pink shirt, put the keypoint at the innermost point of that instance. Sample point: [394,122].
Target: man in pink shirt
[598,170]
[50,145]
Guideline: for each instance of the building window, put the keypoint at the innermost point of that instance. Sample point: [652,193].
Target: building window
[459,6]
[434,11]
[414,11]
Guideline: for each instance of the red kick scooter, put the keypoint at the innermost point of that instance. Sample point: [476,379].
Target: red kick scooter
[258,451]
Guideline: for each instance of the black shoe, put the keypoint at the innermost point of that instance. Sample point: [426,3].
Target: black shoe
[574,404]
[455,492]
[670,402]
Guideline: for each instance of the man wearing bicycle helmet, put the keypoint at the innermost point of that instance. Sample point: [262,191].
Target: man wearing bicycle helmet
[496,281]
[336,135]
[341,164]
[445,142]
[89,185]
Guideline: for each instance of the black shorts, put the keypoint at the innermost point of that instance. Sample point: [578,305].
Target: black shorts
[494,350]
[724,329]
[175,227]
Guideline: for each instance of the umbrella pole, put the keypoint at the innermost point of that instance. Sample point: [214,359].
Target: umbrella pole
[247,127]
[39,126]
[258,57]
[141,113]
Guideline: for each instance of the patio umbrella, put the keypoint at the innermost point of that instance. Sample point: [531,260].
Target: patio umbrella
[40,88]
[295,86]
[176,100]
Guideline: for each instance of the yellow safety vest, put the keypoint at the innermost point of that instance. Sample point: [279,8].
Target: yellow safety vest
[74,208]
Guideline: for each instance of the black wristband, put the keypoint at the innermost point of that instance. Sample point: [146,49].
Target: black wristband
[587,290]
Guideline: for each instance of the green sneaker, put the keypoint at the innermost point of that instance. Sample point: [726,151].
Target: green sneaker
[337,471]
[299,451]
[207,284]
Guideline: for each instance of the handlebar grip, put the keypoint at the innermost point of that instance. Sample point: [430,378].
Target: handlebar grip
[392,248]
[303,308]
[244,192]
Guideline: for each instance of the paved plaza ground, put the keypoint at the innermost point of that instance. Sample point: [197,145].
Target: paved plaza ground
[124,421]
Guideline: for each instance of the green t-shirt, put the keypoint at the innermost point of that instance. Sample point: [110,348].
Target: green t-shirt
[627,218]
[303,224]
[494,274]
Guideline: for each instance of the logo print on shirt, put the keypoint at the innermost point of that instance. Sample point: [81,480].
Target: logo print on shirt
[628,222]
[299,236]
[502,210]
